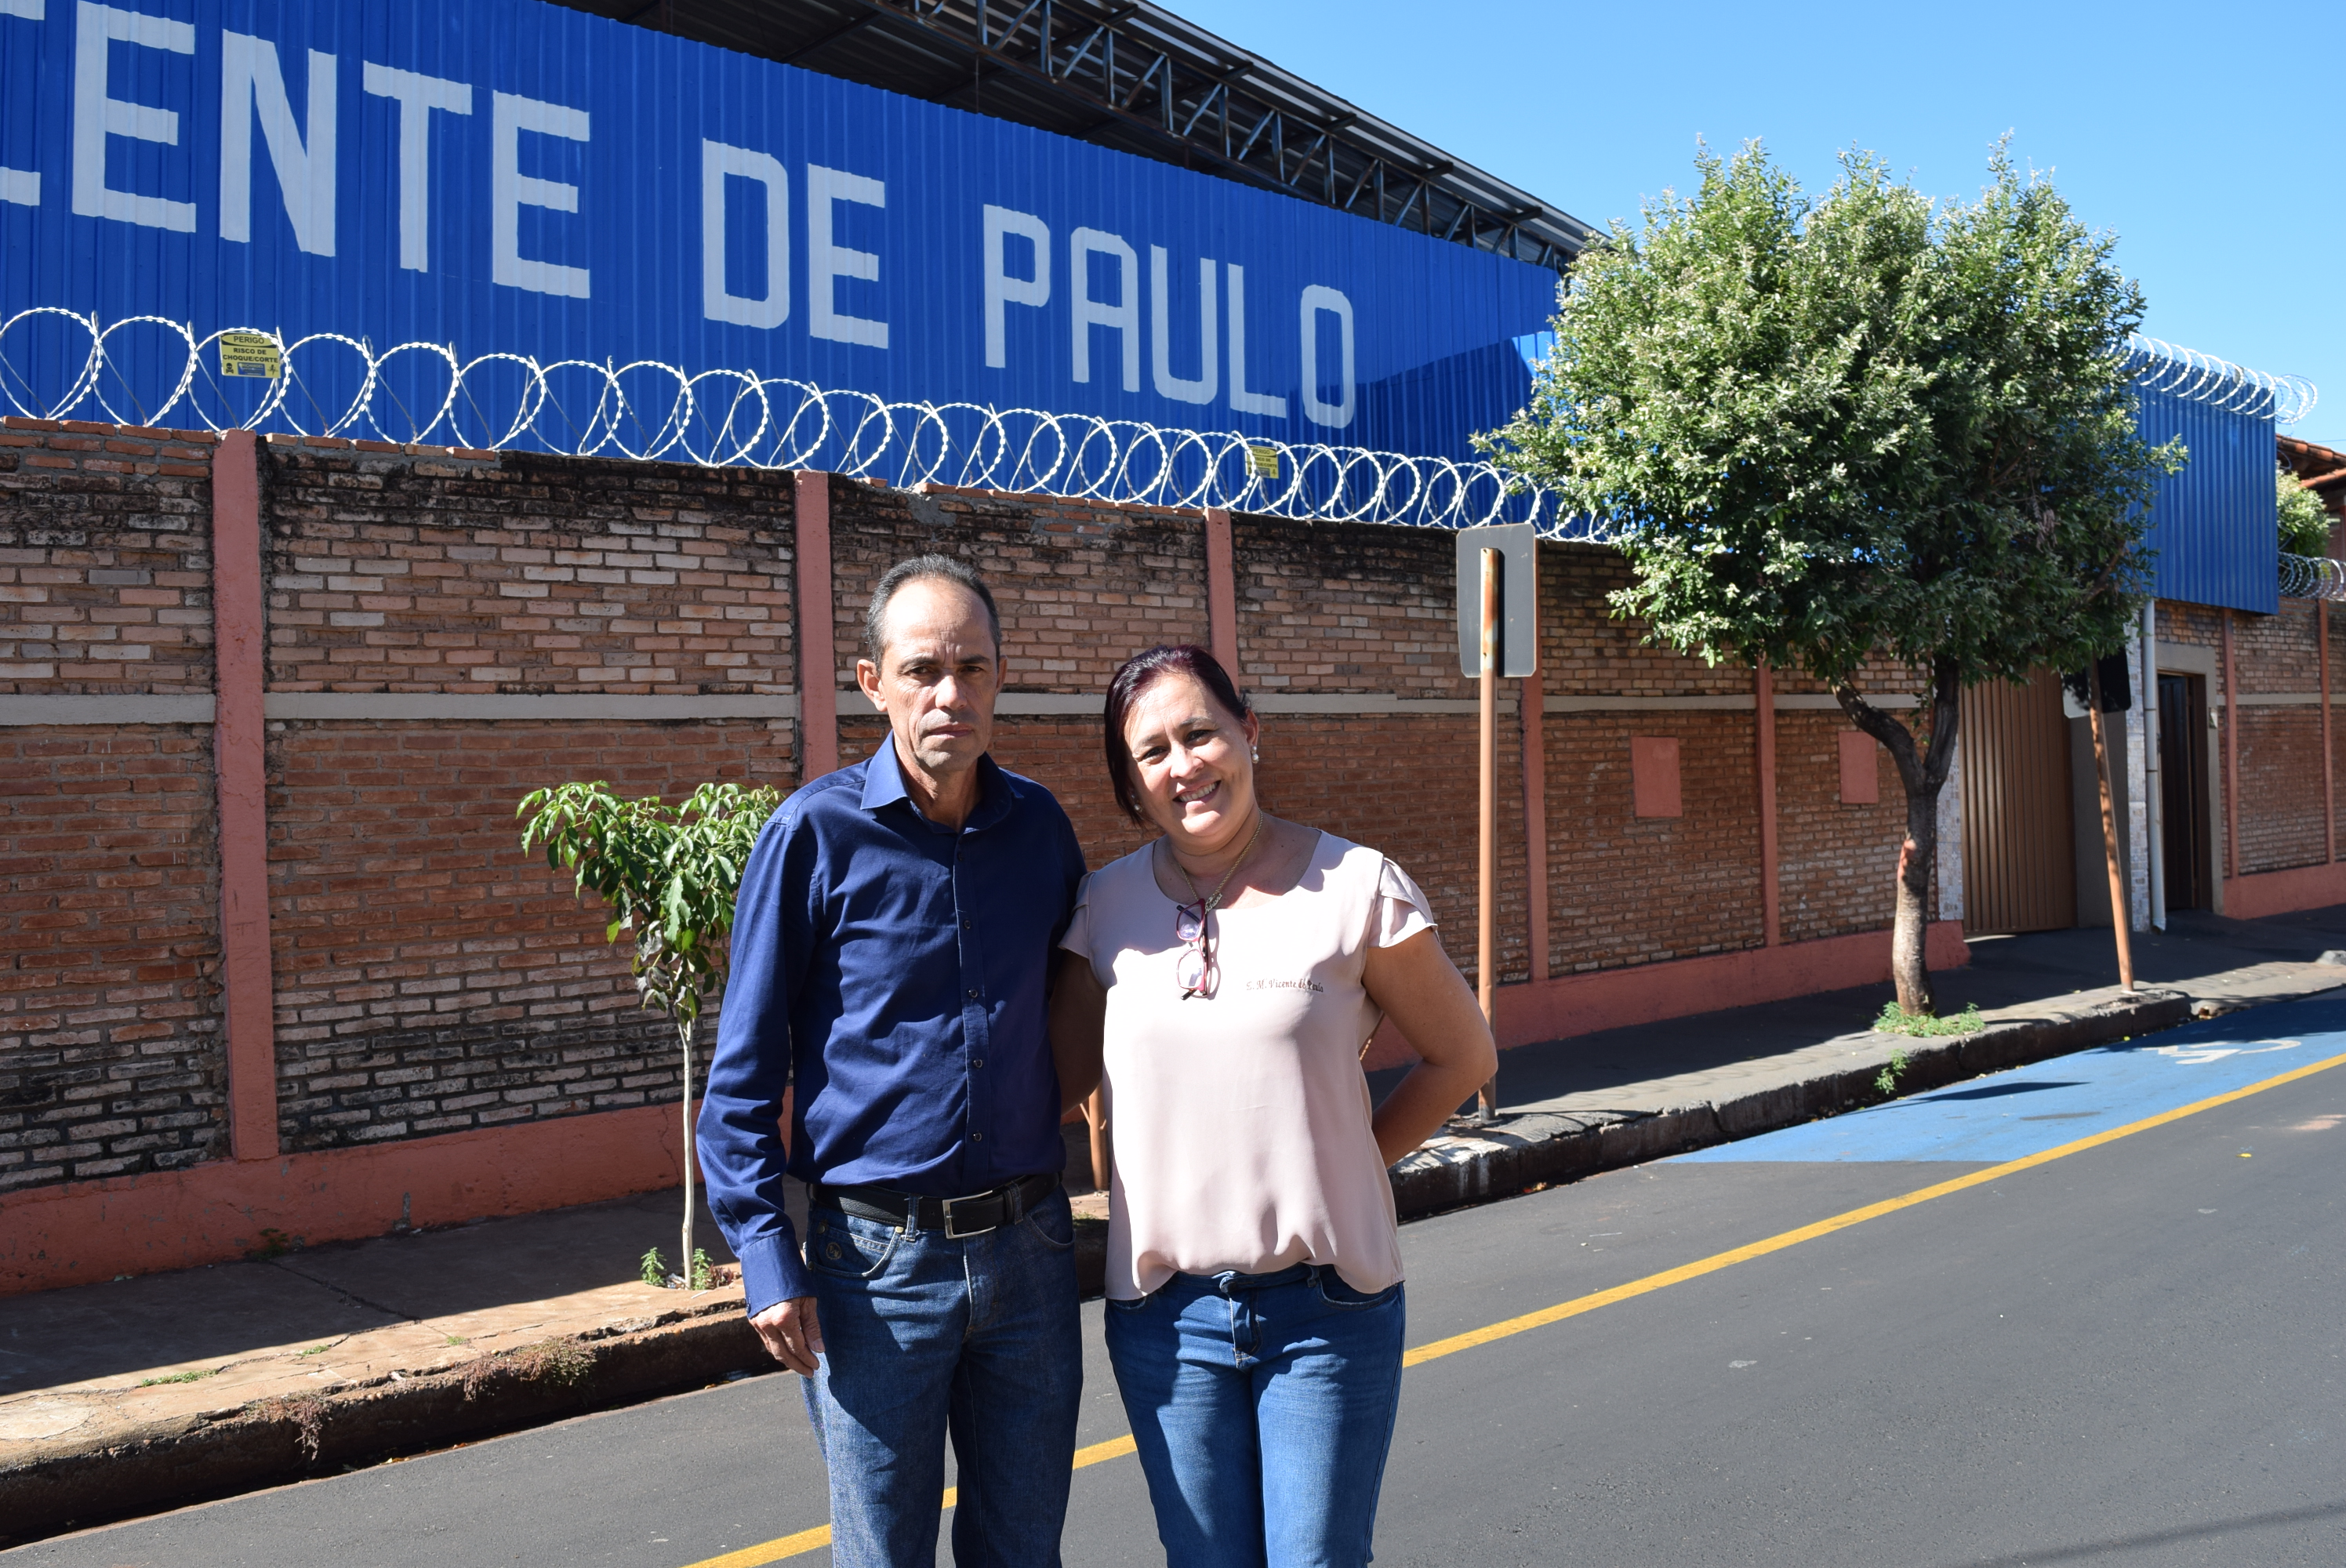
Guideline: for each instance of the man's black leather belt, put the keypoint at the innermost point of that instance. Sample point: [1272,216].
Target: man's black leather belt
[956,1217]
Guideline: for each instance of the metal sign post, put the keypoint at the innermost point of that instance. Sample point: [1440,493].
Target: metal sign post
[1498,611]
[1485,959]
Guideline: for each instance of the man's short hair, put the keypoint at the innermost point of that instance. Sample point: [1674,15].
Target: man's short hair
[941,568]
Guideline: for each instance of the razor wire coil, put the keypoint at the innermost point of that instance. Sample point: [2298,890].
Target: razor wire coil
[2311,577]
[2161,366]
[422,394]
[419,393]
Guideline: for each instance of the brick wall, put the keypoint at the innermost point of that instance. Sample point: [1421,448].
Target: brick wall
[2281,808]
[105,559]
[431,979]
[1839,861]
[525,575]
[2281,811]
[110,1059]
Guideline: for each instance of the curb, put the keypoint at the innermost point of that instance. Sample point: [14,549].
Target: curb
[1534,1148]
[218,1453]
[270,1442]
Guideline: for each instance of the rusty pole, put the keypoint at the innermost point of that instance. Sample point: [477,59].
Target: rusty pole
[1486,959]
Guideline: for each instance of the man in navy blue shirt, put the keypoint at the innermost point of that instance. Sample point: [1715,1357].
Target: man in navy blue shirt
[891,951]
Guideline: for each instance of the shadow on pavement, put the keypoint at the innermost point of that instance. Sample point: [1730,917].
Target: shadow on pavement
[57,1339]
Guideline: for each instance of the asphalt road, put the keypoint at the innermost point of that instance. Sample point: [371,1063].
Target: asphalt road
[2131,1353]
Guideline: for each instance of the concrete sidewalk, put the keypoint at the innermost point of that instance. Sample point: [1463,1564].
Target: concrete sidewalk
[141,1394]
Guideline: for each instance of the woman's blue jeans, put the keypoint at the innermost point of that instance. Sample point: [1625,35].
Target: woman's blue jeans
[927,1337]
[1262,1405]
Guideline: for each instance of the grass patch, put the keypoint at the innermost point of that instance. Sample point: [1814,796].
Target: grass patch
[1896,1020]
[180,1377]
[558,1362]
[312,1350]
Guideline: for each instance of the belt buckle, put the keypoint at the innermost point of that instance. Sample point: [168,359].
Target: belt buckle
[948,1203]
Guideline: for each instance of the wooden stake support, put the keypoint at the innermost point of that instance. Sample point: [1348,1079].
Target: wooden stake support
[2119,914]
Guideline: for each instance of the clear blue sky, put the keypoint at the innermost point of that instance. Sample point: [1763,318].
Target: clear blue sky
[2208,138]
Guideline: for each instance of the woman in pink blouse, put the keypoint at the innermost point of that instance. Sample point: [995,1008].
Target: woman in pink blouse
[1231,973]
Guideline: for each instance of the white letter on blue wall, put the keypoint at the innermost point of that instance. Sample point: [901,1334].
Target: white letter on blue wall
[417,97]
[250,84]
[1124,315]
[826,262]
[510,190]
[96,117]
[717,161]
[1241,399]
[1002,287]
[1160,332]
[1338,414]
[22,186]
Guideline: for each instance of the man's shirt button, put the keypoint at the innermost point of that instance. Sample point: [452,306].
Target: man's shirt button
[977,1062]
[977,1137]
[973,994]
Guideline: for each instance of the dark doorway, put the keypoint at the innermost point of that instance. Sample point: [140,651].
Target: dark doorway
[2183,788]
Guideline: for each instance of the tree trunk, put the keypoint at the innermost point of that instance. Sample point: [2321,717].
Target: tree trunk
[1923,772]
[684,1254]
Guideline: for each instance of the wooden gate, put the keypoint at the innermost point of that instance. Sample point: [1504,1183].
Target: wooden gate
[2019,849]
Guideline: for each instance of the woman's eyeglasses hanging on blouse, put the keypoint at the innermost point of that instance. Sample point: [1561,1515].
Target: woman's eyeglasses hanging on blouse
[1195,971]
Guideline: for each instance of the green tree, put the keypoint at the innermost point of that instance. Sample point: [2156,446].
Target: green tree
[1865,432]
[670,876]
[2304,521]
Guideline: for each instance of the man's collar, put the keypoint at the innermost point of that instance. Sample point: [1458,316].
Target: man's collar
[883,784]
[884,781]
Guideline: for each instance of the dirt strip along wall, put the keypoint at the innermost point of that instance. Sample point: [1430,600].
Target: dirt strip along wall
[431,979]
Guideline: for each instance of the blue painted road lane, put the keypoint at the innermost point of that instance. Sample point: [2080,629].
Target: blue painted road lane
[2009,1116]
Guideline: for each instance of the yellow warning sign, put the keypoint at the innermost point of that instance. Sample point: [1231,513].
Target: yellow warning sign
[1263,462]
[250,354]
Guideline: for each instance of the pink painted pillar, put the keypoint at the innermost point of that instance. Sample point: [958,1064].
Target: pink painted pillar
[1530,705]
[1763,696]
[239,765]
[1222,592]
[817,651]
[2231,755]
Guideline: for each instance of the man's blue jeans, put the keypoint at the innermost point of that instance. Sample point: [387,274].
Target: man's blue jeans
[977,1339]
[1263,1406]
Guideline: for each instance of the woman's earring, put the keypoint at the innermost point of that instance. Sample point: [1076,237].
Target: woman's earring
[1254,753]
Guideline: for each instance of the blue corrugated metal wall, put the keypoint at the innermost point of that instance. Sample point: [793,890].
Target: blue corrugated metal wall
[2213,524]
[509,177]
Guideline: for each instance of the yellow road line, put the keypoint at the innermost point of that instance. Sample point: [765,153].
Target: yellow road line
[809,1540]
[1717,1261]
[805,1541]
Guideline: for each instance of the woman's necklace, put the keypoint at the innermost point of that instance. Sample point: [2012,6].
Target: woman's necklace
[1207,906]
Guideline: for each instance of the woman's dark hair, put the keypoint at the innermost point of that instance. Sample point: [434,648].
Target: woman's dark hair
[1137,675]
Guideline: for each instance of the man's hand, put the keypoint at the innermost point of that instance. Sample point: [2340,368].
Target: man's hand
[791,1333]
